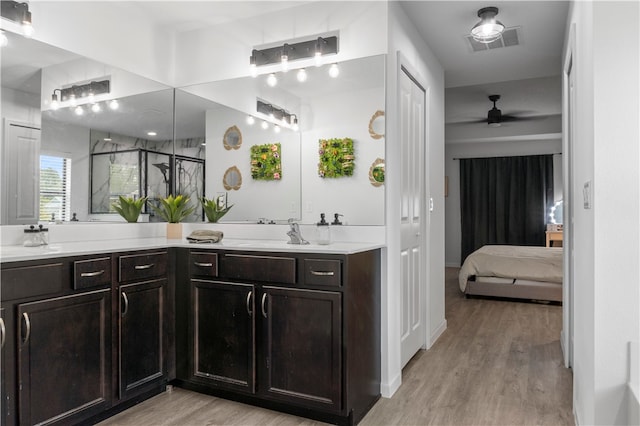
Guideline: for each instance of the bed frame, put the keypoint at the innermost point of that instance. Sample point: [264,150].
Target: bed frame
[514,289]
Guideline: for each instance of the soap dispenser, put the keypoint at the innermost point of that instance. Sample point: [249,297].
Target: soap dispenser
[324,236]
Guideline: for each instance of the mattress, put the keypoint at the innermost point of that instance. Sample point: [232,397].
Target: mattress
[524,263]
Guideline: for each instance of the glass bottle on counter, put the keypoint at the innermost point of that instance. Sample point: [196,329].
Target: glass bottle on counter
[323,232]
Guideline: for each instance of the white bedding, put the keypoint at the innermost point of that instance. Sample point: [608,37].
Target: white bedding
[517,262]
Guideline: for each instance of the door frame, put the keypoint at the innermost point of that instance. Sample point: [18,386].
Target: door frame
[568,125]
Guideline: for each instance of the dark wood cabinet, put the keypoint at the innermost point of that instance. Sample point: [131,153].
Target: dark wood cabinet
[222,345]
[291,332]
[302,347]
[3,356]
[142,349]
[64,358]
[141,336]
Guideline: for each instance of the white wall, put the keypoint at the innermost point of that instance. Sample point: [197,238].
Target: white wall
[104,31]
[404,38]
[484,149]
[606,254]
[361,26]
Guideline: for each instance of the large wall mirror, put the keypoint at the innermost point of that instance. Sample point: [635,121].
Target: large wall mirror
[327,108]
[161,140]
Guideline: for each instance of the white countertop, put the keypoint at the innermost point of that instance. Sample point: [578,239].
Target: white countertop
[19,253]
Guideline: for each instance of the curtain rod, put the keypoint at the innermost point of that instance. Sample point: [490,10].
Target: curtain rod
[503,156]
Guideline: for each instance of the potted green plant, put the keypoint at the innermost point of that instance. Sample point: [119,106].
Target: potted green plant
[213,209]
[174,210]
[129,208]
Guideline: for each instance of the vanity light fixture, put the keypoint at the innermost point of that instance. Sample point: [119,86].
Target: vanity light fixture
[18,12]
[276,114]
[114,105]
[250,120]
[276,128]
[315,48]
[252,63]
[334,71]
[79,91]
[294,124]
[79,110]
[489,29]
[55,103]
[265,125]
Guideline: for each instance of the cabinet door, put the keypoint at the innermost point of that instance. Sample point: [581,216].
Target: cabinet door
[302,338]
[222,348]
[142,314]
[64,358]
[3,389]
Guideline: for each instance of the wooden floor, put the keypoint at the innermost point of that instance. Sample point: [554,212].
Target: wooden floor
[498,363]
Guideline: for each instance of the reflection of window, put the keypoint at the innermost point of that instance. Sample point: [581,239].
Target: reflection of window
[55,174]
[123,180]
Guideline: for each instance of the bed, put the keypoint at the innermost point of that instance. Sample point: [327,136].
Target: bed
[519,272]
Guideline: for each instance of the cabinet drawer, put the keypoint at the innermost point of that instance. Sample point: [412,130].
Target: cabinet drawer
[91,273]
[204,264]
[30,281]
[259,268]
[323,272]
[142,266]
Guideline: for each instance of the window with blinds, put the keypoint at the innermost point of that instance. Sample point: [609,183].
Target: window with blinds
[55,186]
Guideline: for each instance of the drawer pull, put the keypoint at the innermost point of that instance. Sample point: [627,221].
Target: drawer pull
[322,273]
[203,265]
[147,266]
[92,274]
[3,330]
[249,311]
[27,326]
[264,308]
[126,303]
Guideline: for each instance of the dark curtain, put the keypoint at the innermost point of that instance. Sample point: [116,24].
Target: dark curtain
[504,200]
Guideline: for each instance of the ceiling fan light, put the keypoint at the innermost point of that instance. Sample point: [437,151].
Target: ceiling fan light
[489,29]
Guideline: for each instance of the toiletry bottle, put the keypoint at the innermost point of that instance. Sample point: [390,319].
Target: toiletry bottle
[324,236]
[44,235]
[31,237]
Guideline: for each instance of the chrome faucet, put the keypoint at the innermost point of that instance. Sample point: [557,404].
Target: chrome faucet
[294,233]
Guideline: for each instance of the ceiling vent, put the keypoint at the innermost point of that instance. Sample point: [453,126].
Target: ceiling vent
[510,37]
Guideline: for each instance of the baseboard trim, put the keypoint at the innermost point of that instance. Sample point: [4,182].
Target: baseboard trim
[437,333]
[388,389]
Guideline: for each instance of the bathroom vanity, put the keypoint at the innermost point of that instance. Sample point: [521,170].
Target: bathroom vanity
[295,329]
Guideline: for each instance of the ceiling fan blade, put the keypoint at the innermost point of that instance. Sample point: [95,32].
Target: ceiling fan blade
[508,117]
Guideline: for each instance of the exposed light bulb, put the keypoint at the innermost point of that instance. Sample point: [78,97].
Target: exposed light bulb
[54,102]
[27,28]
[4,41]
[72,100]
[114,105]
[272,80]
[152,133]
[96,108]
[79,110]
[318,53]
[284,58]
[302,75]
[294,123]
[276,128]
[253,70]
[334,71]
[317,59]
[250,120]
[265,125]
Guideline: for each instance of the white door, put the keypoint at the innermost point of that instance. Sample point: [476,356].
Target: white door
[21,174]
[412,135]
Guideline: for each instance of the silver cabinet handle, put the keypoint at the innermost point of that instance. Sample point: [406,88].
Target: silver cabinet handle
[147,266]
[92,274]
[126,303]
[249,311]
[204,265]
[264,300]
[27,326]
[3,331]
[323,273]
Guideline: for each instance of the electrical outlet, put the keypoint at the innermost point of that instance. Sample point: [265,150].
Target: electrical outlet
[587,195]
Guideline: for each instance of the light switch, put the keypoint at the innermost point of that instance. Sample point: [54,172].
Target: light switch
[430,204]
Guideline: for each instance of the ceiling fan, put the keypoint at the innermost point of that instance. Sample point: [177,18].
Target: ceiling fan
[495,117]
